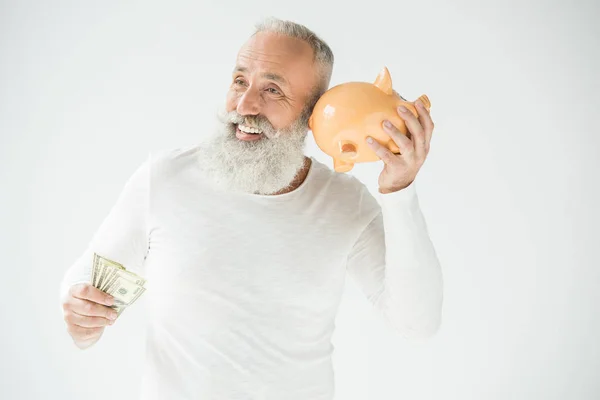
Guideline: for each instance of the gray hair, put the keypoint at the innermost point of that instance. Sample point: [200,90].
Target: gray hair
[323,55]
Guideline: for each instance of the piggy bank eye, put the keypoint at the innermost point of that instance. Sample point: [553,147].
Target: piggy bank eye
[398,94]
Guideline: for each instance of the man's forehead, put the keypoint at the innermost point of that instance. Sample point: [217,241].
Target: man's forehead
[275,51]
[275,45]
[279,58]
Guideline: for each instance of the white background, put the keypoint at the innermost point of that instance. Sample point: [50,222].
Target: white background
[509,191]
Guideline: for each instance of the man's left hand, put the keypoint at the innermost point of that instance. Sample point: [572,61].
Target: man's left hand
[400,170]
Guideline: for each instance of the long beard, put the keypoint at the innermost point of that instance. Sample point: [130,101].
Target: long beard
[264,166]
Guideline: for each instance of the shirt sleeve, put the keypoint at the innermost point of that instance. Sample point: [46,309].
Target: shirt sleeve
[122,235]
[395,265]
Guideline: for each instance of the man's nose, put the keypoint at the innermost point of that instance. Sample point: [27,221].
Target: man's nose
[249,103]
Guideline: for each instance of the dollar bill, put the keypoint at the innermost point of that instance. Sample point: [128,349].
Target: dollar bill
[115,274]
[125,293]
[113,278]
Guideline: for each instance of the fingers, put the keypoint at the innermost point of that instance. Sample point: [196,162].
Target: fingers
[403,142]
[89,308]
[86,313]
[86,291]
[72,318]
[426,122]
[416,130]
[382,152]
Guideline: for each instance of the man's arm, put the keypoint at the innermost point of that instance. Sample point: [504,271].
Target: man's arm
[122,237]
[396,266]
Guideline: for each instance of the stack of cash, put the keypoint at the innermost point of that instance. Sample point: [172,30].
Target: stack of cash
[112,278]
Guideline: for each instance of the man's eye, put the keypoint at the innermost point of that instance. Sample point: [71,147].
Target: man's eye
[273,90]
[239,82]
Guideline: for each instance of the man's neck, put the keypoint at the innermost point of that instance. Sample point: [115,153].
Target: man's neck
[300,177]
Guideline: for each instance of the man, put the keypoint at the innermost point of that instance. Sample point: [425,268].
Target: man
[245,242]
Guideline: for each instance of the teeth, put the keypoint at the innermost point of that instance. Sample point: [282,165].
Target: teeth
[248,129]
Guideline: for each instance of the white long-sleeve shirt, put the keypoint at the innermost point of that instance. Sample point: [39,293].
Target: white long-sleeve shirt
[243,289]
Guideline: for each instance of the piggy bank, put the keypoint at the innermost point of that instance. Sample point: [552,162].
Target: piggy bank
[347,113]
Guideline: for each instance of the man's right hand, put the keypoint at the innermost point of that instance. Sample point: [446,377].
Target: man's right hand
[86,313]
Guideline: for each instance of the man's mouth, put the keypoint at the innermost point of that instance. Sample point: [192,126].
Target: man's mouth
[249,129]
[248,133]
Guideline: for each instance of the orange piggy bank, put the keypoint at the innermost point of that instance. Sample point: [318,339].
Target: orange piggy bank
[347,113]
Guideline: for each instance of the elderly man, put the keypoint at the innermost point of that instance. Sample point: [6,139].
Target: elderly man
[245,242]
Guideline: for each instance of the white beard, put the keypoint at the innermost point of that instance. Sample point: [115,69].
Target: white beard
[264,166]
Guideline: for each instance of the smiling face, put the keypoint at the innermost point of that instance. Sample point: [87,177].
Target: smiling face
[274,77]
[260,146]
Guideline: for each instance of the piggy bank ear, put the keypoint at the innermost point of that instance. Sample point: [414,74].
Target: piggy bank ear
[310,122]
[384,81]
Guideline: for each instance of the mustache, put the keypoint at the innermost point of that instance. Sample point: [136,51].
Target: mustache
[257,121]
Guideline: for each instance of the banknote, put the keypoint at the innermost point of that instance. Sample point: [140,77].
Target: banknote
[113,278]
